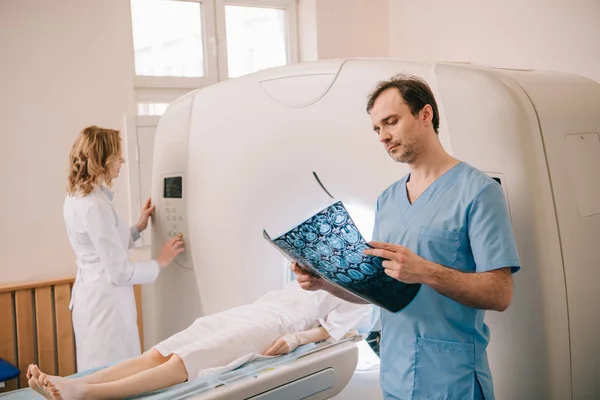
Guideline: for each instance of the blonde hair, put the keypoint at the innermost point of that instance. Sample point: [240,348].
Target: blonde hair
[93,151]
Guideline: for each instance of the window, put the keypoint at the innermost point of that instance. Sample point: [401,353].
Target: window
[257,34]
[156,101]
[147,108]
[167,38]
[190,44]
[256,39]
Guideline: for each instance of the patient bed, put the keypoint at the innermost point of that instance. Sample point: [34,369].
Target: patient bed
[312,372]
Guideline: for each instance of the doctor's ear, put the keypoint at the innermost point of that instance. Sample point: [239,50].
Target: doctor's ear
[426,113]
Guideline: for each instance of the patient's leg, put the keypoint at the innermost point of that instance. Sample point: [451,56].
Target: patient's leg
[167,374]
[126,368]
[150,359]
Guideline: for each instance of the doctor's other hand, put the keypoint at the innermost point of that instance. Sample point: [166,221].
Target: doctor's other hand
[306,280]
[170,250]
[400,262]
[284,345]
[147,210]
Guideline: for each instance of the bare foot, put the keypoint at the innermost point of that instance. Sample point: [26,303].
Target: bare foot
[33,374]
[50,392]
[36,372]
[63,389]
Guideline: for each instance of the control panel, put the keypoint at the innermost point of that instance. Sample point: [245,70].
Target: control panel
[173,216]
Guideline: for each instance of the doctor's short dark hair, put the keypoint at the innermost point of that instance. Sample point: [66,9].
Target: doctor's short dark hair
[415,92]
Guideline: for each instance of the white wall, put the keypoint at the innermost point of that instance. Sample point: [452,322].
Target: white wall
[64,64]
[556,35]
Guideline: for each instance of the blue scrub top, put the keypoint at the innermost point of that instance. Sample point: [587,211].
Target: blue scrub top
[435,348]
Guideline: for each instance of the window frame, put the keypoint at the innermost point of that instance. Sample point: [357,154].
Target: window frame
[158,95]
[207,21]
[291,25]
[215,45]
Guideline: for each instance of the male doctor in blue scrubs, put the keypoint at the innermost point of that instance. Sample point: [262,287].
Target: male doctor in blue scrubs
[446,226]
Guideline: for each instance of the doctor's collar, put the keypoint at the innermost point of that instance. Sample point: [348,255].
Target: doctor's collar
[109,193]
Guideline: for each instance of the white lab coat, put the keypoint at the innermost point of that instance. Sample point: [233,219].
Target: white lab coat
[102,300]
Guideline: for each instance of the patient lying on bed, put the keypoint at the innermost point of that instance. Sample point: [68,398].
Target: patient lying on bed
[275,324]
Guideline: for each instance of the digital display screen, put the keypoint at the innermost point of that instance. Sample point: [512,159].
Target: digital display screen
[172,188]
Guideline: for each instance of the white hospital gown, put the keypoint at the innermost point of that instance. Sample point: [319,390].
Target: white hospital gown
[223,341]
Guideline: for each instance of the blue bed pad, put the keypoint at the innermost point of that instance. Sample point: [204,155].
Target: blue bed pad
[195,387]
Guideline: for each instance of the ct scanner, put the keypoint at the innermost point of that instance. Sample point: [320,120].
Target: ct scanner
[237,157]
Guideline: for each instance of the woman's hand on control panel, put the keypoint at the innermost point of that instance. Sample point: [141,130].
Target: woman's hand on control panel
[170,250]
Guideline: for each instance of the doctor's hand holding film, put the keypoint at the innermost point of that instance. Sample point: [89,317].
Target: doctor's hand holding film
[307,280]
[401,263]
[170,250]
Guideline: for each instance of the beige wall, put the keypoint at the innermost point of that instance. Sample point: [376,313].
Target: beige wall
[64,64]
[342,28]
[556,35]
[352,28]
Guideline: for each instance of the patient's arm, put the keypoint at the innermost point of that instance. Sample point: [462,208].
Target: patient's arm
[288,343]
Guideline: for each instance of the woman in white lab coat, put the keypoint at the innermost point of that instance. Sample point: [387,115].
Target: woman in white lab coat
[102,302]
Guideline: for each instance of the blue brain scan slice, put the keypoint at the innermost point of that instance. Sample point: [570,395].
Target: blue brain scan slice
[337,215]
[356,275]
[335,242]
[353,257]
[327,266]
[321,224]
[367,268]
[350,234]
[324,249]
[339,262]
[311,254]
[330,244]
[309,233]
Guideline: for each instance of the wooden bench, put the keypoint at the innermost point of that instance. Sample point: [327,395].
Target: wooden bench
[36,328]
